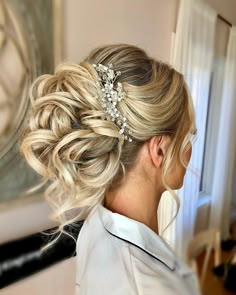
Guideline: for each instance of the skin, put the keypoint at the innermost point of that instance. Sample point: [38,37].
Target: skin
[139,195]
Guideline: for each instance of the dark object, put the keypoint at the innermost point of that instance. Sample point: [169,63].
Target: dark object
[228,245]
[219,270]
[23,257]
[228,272]
[230,277]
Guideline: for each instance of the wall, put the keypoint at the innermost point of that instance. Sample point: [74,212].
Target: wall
[90,23]
[226,8]
[58,279]
[23,217]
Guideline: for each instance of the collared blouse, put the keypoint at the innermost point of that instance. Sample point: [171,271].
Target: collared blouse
[117,255]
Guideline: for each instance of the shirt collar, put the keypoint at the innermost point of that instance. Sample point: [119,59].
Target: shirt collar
[137,234]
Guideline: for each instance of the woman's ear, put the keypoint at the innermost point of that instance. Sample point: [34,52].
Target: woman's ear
[158,146]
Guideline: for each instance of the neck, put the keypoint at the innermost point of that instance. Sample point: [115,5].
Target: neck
[138,199]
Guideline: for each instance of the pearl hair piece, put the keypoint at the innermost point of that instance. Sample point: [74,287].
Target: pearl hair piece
[111,96]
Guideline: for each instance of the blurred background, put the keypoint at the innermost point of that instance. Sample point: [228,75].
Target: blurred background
[197,37]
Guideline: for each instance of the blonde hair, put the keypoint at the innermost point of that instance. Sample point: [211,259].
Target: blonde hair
[69,142]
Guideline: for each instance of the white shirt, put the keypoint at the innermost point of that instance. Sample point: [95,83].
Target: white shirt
[120,256]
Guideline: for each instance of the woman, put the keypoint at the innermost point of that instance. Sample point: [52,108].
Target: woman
[112,134]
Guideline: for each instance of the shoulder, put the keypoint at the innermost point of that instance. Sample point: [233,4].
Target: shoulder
[116,255]
[152,274]
[103,263]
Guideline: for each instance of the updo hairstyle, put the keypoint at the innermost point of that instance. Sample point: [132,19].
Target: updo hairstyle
[82,155]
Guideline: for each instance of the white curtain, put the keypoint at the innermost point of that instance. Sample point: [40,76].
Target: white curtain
[226,145]
[192,55]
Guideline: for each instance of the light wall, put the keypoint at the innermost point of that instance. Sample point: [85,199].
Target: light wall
[226,8]
[91,23]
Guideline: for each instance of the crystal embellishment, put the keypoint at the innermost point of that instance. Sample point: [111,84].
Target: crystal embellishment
[111,96]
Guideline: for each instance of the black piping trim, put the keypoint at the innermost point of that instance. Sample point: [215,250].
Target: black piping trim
[141,249]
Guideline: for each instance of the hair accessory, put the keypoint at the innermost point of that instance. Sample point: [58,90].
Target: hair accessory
[111,96]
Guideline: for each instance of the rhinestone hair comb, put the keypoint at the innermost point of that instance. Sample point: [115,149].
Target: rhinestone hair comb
[111,96]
